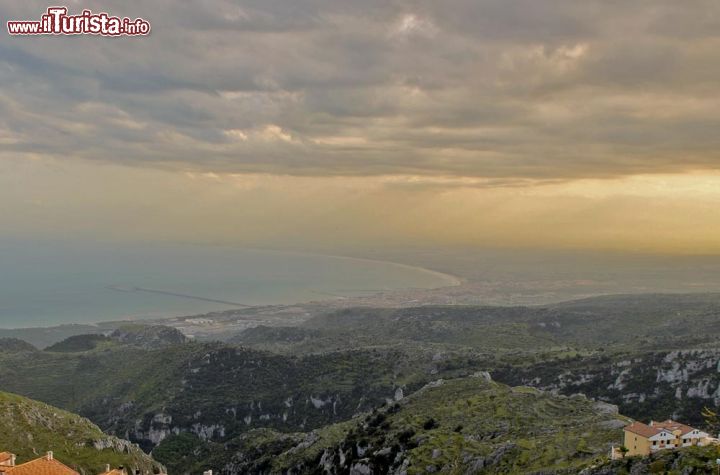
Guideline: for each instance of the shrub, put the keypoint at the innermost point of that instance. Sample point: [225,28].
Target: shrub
[430,424]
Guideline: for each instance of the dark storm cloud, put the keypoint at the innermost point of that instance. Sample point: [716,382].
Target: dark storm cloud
[526,89]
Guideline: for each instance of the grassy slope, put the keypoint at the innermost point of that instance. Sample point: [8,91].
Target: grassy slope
[121,388]
[78,343]
[13,345]
[464,425]
[213,379]
[29,428]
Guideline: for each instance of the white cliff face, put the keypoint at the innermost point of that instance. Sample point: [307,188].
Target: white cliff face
[571,378]
[675,374]
[619,384]
[161,418]
[160,429]
[484,375]
[158,435]
[701,390]
[319,403]
[680,375]
[294,412]
[117,445]
[208,432]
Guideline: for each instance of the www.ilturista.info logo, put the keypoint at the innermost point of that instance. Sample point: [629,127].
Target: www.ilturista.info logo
[56,21]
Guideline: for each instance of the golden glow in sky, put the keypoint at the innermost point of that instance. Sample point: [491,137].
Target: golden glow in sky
[330,125]
[657,213]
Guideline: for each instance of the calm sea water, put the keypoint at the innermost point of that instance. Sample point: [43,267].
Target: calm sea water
[45,283]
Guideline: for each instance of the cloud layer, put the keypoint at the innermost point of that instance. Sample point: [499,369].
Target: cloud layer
[493,89]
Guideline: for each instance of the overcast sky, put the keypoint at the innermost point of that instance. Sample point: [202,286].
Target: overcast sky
[337,123]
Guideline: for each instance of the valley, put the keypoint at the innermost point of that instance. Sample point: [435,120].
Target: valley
[308,389]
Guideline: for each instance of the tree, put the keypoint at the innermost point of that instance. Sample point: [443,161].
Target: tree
[624,450]
[712,421]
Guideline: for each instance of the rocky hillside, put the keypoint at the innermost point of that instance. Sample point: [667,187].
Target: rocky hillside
[468,425]
[687,461]
[29,429]
[656,356]
[216,391]
[196,405]
[645,385]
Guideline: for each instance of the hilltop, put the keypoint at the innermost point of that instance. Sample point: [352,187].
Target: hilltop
[15,345]
[468,425]
[148,336]
[44,337]
[217,391]
[78,343]
[197,404]
[29,428]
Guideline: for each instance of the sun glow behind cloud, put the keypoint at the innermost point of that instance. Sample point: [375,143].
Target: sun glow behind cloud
[330,124]
[653,213]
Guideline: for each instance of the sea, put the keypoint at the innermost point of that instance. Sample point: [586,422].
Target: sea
[47,283]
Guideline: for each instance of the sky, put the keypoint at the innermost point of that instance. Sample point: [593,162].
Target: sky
[331,124]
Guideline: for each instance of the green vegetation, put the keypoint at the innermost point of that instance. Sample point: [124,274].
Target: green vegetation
[13,345]
[148,336]
[466,425]
[78,343]
[216,391]
[30,429]
[611,348]
[690,460]
[44,337]
[613,323]
[288,397]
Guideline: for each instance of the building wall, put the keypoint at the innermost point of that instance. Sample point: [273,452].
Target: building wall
[636,444]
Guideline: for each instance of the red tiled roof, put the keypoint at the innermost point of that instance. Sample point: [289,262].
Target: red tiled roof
[5,457]
[41,466]
[672,426]
[641,429]
[656,427]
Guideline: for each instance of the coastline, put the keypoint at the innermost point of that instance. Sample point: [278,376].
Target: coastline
[445,280]
[452,280]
